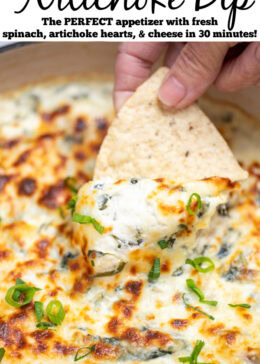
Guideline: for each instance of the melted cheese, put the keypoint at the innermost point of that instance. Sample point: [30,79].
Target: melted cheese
[129,319]
[138,213]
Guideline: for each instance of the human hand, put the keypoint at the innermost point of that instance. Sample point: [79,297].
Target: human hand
[193,68]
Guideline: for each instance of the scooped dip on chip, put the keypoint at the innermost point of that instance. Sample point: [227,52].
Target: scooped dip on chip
[114,218]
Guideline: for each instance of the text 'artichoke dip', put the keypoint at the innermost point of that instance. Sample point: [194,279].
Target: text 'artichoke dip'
[117,219]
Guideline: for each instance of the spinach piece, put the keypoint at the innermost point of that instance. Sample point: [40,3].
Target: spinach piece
[122,242]
[224,251]
[223,209]
[102,201]
[178,272]
[229,239]
[128,352]
[232,274]
[170,240]
[99,186]
[66,257]
[203,209]
[133,181]
[138,236]
[146,355]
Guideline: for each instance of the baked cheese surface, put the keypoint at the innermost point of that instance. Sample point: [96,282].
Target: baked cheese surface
[52,131]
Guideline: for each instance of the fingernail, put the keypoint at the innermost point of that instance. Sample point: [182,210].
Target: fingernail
[257,54]
[172,92]
[120,98]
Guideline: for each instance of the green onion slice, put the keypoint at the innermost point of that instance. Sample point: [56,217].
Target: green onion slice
[196,309]
[38,309]
[92,263]
[60,209]
[210,303]
[193,359]
[83,352]
[198,264]
[19,281]
[243,305]
[155,270]
[163,244]
[84,219]
[55,312]
[2,353]
[198,205]
[195,289]
[17,294]
[72,204]
[70,184]
[45,325]
[115,271]
[195,353]
[20,295]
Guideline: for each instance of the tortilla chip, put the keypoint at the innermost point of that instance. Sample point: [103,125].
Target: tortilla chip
[148,141]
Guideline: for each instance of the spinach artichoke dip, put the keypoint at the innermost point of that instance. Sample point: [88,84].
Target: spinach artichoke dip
[169,273]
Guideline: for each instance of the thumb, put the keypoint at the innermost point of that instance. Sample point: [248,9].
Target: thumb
[193,72]
[133,66]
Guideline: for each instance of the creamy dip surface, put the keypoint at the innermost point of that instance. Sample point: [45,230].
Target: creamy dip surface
[53,131]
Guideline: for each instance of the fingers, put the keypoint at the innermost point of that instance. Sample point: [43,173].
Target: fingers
[133,66]
[173,52]
[241,72]
[195,69]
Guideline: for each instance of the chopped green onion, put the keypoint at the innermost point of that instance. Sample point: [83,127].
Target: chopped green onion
[155,270]
[45,325]
[195,353]
[84,219]
[38,309]
[83,352]
[2,353]
[1,220]
[92,263]
[16,296]
[195,289]
[210,303]
[197,263]
[19,281]
[70,184]
[163,244]
[115,271]
[99,228]
[198,206]
[61,212]
[196,309]
[72,204]
[55,312]
[243,305]
[15,293]
[185,359]
[193,359]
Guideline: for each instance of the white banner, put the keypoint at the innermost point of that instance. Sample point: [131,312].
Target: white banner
[130,20]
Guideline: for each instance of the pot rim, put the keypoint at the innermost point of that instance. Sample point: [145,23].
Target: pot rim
[11,46]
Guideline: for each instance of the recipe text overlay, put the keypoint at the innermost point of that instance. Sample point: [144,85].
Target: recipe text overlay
[131,20]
